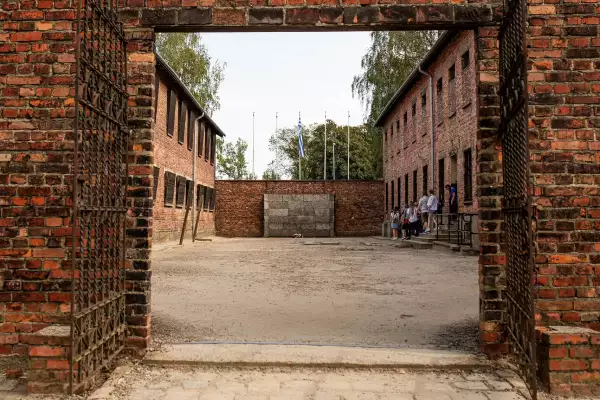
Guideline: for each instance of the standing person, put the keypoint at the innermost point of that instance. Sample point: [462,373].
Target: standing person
[405,221]
[395,217]
[453,202]
[432,209]
[413,219]
[424,213]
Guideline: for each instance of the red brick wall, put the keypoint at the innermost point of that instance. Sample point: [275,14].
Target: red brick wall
[175,157]
[239,205]
[408,149]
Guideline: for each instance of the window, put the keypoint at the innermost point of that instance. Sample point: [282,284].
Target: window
[405,136]
[213,144]
[180,194]
[439,102]
[393,194]
[155,173]
[414,121]
[398,125]
[441,182]
[399,191]
[169,188]
[425,179]
[414,199]
[406,189]
[452,91]
[392,131]
[468,175]
[206,143]
[424,108]
[199,196]
[387,197]
[181,123]
[171,101]
[465,60]
[156,90]
[191,128]
[189,193]
[201,140]
[207,194]
[213,196]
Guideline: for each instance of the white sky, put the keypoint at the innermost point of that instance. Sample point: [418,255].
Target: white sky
[285,73]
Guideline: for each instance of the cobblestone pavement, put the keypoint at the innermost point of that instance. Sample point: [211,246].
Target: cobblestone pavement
[180,383]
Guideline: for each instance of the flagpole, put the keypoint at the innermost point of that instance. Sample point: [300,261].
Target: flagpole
[299,153]
[252,144]
[348,145]
[334,161]
[276,150]
[325,151]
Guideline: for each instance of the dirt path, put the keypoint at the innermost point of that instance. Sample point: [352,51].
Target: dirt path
[280,290]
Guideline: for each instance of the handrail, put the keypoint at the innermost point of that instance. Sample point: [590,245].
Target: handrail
[463,224]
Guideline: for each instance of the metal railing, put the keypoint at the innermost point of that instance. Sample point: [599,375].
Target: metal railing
[459,228]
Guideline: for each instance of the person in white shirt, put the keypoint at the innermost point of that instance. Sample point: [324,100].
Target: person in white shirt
[424,212]
[432,208]
[414,219]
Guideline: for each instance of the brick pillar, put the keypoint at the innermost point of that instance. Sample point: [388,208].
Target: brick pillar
[492,277]
[564,87]
[141,70]
[36,114]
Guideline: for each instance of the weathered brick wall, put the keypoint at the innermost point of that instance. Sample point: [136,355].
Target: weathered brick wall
[407,149]
[564,87]
[175,157]
[36,110]
[239,205]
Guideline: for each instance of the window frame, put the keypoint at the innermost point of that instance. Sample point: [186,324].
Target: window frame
[191,128]
[169,189]
[182,115]
[213,148]
[179,191]
[406,189]
[207,144]
[468,176]
[171,109]
[415,184]
[155,177]
[425,173]
[467,64]
[156,94]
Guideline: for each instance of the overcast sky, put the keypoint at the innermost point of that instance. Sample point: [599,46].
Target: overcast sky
[285,73]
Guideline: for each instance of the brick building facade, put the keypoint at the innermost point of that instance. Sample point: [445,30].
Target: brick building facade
[174,179]
[412,166]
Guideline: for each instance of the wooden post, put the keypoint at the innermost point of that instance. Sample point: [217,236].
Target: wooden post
[187,211]
[196,224]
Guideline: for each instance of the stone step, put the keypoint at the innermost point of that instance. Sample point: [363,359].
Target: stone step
[453,247]
[469,251]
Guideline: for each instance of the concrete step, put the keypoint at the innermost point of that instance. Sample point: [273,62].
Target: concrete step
[419,244]
[469,251]
[292,355]
[453,247]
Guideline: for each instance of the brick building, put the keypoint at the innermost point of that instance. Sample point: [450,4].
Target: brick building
[412,123]
[176,126]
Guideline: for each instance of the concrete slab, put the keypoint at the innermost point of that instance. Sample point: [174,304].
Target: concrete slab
[311,356]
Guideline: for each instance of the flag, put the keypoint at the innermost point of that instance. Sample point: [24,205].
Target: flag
[300,141]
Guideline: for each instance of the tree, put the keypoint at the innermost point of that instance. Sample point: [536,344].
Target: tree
[188,57]
[386,65]
[270,174]
[231,160]
[363,158]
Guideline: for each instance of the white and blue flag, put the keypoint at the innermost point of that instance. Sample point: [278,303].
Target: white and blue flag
[300,141]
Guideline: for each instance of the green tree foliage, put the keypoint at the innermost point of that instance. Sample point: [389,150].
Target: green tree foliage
[270,174]
[363,158]
[231,160]
[386,65]
[187,55]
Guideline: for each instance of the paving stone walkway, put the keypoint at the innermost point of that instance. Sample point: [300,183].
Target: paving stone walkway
[187,383]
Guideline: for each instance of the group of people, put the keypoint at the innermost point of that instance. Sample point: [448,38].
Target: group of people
[416,218]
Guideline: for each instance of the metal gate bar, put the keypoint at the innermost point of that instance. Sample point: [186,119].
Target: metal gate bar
[520,315]
[98,326]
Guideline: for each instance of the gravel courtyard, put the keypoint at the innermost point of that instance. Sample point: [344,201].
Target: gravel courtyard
[358,292]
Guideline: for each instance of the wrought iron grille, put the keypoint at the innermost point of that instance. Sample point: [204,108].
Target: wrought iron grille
[100,192]
[520,314]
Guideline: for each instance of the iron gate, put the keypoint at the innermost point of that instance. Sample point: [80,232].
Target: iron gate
[100,192]
[520,315]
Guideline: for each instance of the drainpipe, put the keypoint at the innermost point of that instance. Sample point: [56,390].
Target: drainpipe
[433,166]
[194,157]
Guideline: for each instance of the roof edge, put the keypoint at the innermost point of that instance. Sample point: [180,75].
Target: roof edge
[162,63]
[412,78]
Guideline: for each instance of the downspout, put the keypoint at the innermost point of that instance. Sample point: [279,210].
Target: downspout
[431,127]
[195,156]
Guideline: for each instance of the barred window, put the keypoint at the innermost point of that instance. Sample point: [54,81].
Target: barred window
[201,140]
[213,145]
[191,128]
[180,194]
[406,189]
[189,193]
[181,125]
[169,188]
[207,194]
[425,179]
[206,142]
[200,197]
[439,102]
[213,196]
[171,102]
[155,173]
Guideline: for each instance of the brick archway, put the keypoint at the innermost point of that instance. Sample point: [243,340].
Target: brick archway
[36,114]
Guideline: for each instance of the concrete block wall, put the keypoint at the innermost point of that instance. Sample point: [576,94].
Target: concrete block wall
[312,215]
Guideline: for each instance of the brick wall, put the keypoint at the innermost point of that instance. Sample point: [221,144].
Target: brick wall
[239,205]
[175,157]
[407,144]
[564,87]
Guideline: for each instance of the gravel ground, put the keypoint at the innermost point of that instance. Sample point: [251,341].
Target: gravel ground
[359,292]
